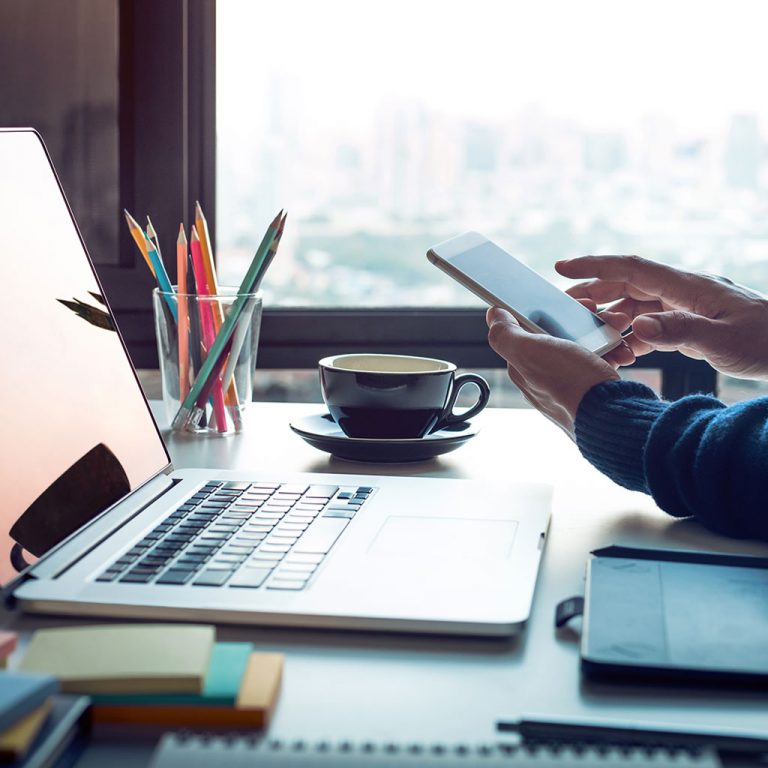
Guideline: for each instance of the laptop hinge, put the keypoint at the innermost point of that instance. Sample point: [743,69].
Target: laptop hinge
[81,543]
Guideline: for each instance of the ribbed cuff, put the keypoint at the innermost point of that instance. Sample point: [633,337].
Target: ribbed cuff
[612,426]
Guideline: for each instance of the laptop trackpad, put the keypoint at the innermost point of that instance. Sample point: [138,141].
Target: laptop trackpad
[444,538]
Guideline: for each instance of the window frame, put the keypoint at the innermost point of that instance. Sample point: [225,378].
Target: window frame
[168,69]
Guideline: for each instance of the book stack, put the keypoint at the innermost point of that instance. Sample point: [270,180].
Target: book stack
[36,725]
[160,674]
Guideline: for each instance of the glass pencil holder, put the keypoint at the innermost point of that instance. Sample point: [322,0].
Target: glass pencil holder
[207,347]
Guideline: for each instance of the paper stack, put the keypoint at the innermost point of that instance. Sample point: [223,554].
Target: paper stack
[160,674]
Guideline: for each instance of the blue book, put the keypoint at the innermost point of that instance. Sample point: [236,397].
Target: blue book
[220,688]
[21,693]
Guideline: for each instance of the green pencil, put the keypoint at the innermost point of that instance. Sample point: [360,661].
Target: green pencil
[190,413]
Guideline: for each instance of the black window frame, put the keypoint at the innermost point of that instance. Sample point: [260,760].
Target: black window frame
[167,125]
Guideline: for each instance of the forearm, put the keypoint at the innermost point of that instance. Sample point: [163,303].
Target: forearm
[694,456]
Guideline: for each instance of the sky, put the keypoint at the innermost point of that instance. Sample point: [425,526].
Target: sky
[604,64]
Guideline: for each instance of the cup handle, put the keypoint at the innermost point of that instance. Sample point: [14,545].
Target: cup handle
[449,417]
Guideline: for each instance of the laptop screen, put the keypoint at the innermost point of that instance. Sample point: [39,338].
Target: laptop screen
[77,431]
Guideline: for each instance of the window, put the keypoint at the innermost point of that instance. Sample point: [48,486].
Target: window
[557,128]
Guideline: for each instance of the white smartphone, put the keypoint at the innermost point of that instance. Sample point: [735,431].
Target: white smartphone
[499,279]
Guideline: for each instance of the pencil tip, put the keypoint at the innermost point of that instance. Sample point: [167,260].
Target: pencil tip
[194,234]
[182,235]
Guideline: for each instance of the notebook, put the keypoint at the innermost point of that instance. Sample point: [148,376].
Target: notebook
[201,751]
[99,522]
[123,658]
[21,693]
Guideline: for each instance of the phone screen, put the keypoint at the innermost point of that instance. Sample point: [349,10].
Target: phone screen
[527,292]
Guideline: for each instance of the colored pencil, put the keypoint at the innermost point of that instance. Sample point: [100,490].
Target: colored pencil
[152,235]
[242,328]
[183,323]
[209,331]
[201,225]
[189,412]
[162,278]
[139,238]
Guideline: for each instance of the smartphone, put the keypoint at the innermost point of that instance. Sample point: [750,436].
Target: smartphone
[499,279]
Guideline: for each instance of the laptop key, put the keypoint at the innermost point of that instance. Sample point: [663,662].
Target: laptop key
[342,513]
[288,584]
[137,578]
[321,491]
[175,576]
[250,577]
[212,578]
[109,575]
[321,536]
[293,557]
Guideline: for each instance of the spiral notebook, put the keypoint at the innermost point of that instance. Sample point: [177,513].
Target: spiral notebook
[201,751]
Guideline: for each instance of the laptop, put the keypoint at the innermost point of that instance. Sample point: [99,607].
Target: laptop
[96,521]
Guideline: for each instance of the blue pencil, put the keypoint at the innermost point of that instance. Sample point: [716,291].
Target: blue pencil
[163,280]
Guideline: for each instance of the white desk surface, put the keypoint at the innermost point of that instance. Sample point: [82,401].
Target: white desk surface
[415,688]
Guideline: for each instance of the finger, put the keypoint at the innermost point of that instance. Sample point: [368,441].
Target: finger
[499,315]
[588,303]
[675,285]
[637,346]
[602,291]
[633,307]
[505,336]
[674,329]
[617,320]
[621,355]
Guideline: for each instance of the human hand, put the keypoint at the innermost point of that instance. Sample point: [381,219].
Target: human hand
[553,374]
[702,316]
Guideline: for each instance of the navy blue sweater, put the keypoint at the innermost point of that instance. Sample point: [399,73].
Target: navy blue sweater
[695,456]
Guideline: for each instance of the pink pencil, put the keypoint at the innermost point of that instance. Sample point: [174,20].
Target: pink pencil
[208,328]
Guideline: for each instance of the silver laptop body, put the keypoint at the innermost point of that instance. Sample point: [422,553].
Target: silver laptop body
[304,550]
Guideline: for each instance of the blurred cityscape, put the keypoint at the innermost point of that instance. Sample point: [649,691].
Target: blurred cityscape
[364,208]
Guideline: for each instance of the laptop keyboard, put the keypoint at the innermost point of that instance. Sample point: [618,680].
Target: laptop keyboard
[240,534]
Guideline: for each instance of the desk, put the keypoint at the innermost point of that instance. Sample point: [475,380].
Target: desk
[410,688]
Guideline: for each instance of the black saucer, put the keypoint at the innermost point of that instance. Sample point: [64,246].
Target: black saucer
[322,432]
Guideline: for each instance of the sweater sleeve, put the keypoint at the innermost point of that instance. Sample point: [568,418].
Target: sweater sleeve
[695,456]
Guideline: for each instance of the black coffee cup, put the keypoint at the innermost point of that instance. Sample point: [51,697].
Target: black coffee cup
[395,396]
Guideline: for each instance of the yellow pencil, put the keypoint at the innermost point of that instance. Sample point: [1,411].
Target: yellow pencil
[138,235]
[181,287]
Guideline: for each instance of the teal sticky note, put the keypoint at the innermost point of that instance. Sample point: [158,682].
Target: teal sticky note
[221,685]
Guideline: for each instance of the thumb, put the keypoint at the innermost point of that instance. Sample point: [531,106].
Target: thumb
[673,328]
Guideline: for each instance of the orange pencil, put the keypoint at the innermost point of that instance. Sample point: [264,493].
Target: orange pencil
[206,321]
[138,236]
[181,287]
[201,225]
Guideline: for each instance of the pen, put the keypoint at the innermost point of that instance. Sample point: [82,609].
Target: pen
[602,733]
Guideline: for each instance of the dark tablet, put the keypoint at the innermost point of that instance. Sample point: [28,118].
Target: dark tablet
[688,616]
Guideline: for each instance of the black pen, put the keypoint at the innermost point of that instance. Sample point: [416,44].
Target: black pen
[549,732]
